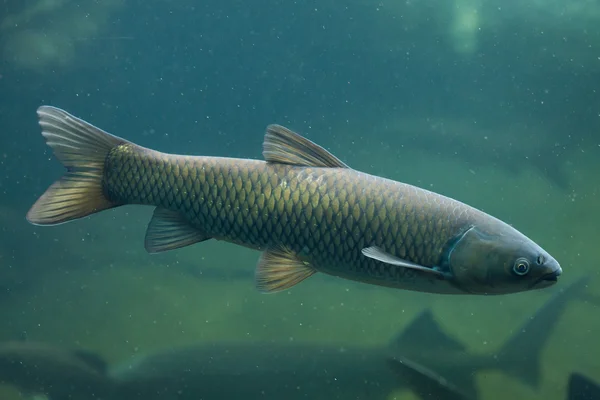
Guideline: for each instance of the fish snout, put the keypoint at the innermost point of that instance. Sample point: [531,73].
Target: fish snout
[550,277]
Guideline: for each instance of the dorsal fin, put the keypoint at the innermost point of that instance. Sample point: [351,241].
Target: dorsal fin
[425,341]
[427,383]
[93,360]
[284,146]
[582,388]
[425,331]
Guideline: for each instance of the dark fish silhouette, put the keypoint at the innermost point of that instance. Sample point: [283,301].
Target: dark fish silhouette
[422,358]
[272,371]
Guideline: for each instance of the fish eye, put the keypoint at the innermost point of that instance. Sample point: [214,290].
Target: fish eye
[521,267]
[540,259]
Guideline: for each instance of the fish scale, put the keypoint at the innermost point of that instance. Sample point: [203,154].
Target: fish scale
[327,215]
[302,207]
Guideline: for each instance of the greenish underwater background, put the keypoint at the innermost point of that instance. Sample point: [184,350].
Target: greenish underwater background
[494,103]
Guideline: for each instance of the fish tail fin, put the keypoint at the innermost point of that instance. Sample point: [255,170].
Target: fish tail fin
[520,356]
[82,149]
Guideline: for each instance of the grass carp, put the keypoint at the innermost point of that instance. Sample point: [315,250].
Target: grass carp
[306,210]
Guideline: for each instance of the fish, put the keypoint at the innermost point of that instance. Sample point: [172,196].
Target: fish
[206,372]
[298,370]
[54,372]
[41,369]
[268,369]
[581,387]
[302,207]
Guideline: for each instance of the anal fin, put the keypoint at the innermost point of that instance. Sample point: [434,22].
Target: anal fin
[281,269]
[168,230]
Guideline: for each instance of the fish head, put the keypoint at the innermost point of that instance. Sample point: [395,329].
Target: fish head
[500,261]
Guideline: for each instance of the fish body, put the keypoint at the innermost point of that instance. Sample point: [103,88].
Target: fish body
[423,358]
[302,207]
[323,216]
[269,371]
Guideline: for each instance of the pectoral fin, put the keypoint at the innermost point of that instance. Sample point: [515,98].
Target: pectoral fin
[168,230]
[378,254]
[280,269]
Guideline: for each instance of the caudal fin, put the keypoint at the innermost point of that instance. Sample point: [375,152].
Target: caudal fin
[82,149]
[520,355]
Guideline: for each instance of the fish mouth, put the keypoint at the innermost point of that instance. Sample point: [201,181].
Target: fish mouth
[549,278]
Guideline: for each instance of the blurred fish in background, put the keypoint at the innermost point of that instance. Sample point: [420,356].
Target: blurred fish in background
[265,370]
